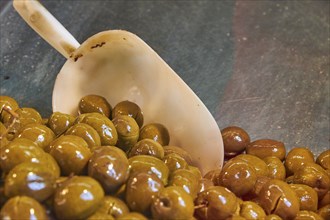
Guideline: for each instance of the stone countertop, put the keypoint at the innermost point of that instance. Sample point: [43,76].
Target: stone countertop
[261,65]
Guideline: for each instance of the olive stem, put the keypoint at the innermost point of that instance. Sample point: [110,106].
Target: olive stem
[10,111]
[199,206]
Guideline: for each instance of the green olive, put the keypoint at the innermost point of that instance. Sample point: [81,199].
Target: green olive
[296,158]
[94,103]
[60,122]
[129,108]
[113,206]
[100,216]
[179,151]
[132,216]
[127,130]
[87,132]
[276,167]
[307,196]
[174,162]
[109,166]
[30,179]
[49,162]
[267,147]
[77,198]
[324,159]
[156,132]
[307,215]
[187,180]
[3,139]
[251,210]
[172,202]
[147,147]
[196,172]
[235,140]
[10,103]
[23,207]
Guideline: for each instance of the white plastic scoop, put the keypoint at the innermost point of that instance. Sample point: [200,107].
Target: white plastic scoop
[120,66]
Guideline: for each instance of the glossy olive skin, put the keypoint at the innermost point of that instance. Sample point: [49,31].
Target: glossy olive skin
[214,176]
[325,200]
[216,203]
[307,215]
[196,172]
[155,131]
[100,216]
[3,139]
[259,165]
[296,158]
[273,217]
[235,140]
[205,184]
[324,212]
[94,103]
[174,162]
[30,179]
[71,153]
[313,175]
[307,196]
[127,130]
[147,147]
[87,132]
[102,125]
[113,206]
[238,176]
[251,210]
[187,180]
[276,168]
[38,133]
[172,202]
[49,162]
[260,182]
[10,103]
[23,207]
[60,122]
[149,164]
[77,198]
[129,108]
[324,159]
[132,216]
[18,151]
[109,166]
[178,150]
[277,197]
[140,190]
[266,147]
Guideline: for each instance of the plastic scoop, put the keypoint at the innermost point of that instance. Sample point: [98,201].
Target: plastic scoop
[118,65]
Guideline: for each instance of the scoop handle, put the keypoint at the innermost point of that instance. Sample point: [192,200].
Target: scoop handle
[46,25]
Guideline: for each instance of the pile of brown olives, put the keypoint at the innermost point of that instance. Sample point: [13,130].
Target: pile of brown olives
[106,164]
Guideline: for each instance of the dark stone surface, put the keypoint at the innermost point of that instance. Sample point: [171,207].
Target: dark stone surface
[261,65]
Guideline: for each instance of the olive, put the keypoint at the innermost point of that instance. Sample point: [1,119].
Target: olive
[324,159]
[187,180]
[205,184]
[266,147]
[87,132]
[129,108]
[174,161]
[127,130]
[23,207]
[214,176]
[179,151]
[149,164]
[38,133]
[113,206]
[71,153]
[77,198]
[258,164]
[155,131]
[100,216]
[277,197]
[172,202]
[276,167]
[238,176]
[296,158]
[235,217]
[30,179]
[141,188]
[94,103]
[324,212]
[251,210]
[216,202]
[307,196]
[273,217]
[325,200]
[10,103]
[109,166]
[307,215]
[60,122]
[260,182]
[49,162]
[102,125]
[18,151]
[313,175]
[3,198]
[196,171]
[235,140]
[147,147]
[3,139]
[132,216]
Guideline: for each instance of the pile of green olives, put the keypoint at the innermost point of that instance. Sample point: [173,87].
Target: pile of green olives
[106,164]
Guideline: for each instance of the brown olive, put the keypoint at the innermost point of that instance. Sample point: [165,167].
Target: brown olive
[273,217]
[129,108]
[147,147]
[127,130]
[8,102]
[205,184]
[109,166]
[324,159]
[307,215]
[235,140]
[277,197]
[266,147]
[3,139]
[94,103]
[179,151]
[187,180]
[156,132]
[60,122]
[174,162]
[324,212]
[325,200]
[214,176]
[87,132]
[296,158]
[215,203]
[251,210]
[113,206]
[258,164]
[276,167]
[260,182]
[307,196]
[23,207]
